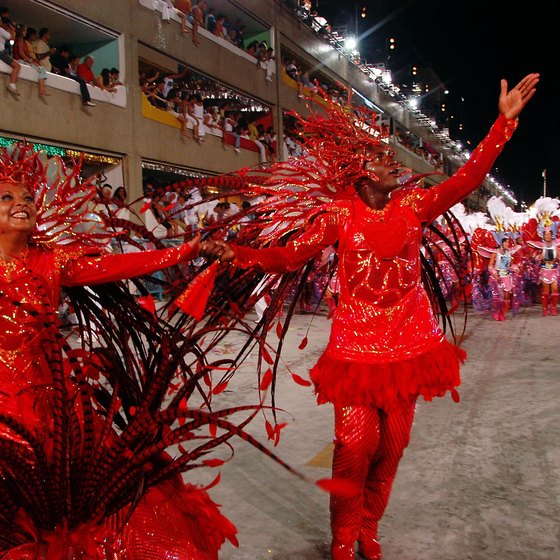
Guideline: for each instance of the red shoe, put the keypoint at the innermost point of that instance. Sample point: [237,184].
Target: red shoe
[370,549]
[341,550]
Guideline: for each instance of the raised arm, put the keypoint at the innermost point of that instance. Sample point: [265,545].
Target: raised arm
[110,267]
[470,176]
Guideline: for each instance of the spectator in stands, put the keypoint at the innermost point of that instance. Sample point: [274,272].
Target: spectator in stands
[213,119]
[232,36]
[305,7]
[196,109]
[172,78]
[174,102]
[307,83]
[267,60]
[179,214]
[270,142]
[239,29]
[43,50]
[120,197]
[198,11]
[61,60]
[114,74]
[72,72]
[5,13]
[157,205]
[184,117]
[231,124]
[5,16]
[104,201]
[253,130]
[21,53]
[221,26]
[253,48]
[292,70]
[8,33]
[184,11]
[210,20]
[104,81]
[30,39]
[85,71]
[157,96]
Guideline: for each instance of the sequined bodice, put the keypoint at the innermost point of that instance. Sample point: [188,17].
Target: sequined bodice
[24,296]
[369,272]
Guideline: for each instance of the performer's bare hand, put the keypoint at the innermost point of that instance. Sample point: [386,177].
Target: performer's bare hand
[217,249]
[512,102]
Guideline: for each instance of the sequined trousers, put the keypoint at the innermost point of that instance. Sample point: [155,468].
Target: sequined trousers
[368,446]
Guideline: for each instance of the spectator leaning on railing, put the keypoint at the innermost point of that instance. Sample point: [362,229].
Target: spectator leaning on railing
[23,55]
[61,60]
[72,72]
[43,50]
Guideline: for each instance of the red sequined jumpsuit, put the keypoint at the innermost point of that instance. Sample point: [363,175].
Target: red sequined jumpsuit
[385,347]
[173,520]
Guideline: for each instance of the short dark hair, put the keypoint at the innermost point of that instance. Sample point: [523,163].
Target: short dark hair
[43,31]
[114,70]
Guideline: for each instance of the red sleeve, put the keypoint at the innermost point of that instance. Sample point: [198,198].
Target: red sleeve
[322,232]
[110,267]
[469,177]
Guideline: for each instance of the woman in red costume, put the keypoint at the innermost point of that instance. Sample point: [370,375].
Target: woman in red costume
[386,348]
[75,479]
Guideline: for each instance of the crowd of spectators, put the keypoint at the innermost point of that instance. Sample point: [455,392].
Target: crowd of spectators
[412,143]
[308,86]
[35,49]
[206,107]
[178,211]
[200,14]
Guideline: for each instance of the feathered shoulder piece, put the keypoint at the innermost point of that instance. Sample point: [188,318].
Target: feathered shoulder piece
[64,201]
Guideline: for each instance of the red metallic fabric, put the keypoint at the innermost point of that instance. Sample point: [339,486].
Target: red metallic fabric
[369,444]
[173,520]
[384,317]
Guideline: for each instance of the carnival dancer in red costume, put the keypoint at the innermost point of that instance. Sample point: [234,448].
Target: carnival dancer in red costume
[85,431]
[386,347]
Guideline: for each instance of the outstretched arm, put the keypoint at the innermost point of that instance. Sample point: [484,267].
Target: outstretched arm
[470,176]
[322,232]
[110,267]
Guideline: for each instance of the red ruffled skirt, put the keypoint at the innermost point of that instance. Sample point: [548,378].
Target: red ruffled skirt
[389,385]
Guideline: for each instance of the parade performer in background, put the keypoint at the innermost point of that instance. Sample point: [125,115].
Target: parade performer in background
[86,432]
[386,348]
[547,254]
[500,248]
[504,276]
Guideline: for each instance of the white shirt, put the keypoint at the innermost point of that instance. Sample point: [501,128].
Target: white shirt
[5,35]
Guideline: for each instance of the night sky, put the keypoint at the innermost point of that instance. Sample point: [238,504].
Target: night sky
[471,45]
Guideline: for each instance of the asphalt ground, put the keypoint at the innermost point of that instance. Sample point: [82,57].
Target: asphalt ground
[480,479]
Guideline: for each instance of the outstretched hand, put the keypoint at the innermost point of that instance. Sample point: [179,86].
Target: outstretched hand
[216,249]
[512,102]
